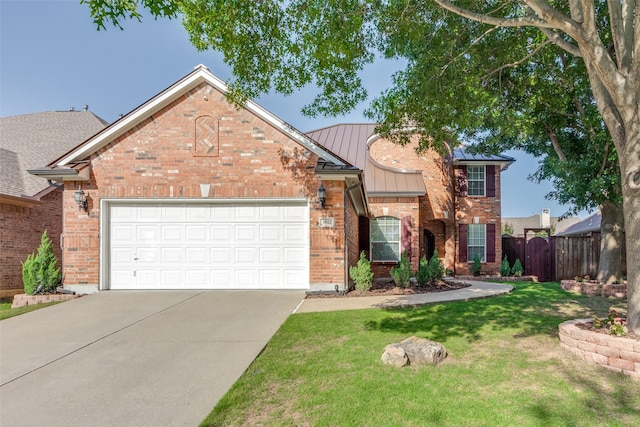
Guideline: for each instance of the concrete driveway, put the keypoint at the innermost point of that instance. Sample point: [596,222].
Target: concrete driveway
[150,358]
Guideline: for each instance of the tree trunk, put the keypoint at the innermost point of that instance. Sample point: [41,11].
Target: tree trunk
[630,170]
[611,237]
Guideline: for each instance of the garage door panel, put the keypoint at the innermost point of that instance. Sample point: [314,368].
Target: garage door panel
[294,233]
[197,233]
[222,233]
[246,279]
[189,246]
[172,233]
[221,256]
[195,255]
[172,279]
[197,278]
[172,255]
[246,233]
[271,255]
[245,255]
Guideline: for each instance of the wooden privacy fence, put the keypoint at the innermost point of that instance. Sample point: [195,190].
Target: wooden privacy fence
[569,256]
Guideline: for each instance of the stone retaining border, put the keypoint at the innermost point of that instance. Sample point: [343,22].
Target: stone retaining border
[593,288]
[619,354]
[22,300]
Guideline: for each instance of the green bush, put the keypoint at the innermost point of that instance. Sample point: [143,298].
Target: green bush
[423,275]
[401,274]
[505,268]
[517,269]
[361,273]
[39,269]
[476,265]
[436,268]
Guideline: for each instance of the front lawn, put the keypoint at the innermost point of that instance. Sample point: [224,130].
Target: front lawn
[6,311]
[505,367]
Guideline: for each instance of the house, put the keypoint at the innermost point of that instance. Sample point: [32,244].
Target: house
[583,227]
[542,220]
[30,205]
[191,191]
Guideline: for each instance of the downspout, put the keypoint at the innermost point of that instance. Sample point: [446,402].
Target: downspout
[346,235]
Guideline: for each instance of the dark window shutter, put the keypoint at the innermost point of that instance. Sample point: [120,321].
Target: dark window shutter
[462,242]
[364,236]
[490,177]
[405,235]
[462,181]
[491,242]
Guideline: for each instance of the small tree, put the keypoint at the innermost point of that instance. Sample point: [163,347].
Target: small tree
[505,268]
[476,266]
[361,273]
[517,269]
[423,274]
[39,270]
[436,268]
[401,274]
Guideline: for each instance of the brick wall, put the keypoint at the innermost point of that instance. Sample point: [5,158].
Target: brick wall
[201,138]
[488,211]
[398,207]
[21,229]
[436,208]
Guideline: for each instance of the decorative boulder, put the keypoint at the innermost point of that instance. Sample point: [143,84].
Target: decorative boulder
[414,351]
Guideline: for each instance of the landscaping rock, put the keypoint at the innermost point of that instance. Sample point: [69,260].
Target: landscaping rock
[414,351]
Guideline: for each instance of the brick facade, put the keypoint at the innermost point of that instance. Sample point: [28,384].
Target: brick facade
[164,157]
[21,229]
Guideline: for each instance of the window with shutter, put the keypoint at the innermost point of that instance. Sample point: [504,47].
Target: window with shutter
[385,239]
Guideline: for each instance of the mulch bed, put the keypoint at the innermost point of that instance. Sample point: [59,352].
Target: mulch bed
[588,326]
[387,287]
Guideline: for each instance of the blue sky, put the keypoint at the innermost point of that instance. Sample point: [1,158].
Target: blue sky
[52,58]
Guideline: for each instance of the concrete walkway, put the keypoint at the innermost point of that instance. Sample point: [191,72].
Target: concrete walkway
[477,289]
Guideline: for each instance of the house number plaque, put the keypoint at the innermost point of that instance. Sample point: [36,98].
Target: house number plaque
[327,222]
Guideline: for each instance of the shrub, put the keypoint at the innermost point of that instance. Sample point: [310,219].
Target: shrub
[613,322]
[517,269]
[436,268]
[401,274]
[423,274]
[361,273]
[40,269]
[476,265]
[505,268]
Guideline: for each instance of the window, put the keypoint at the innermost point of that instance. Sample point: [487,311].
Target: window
[476,180]
[476,242]
[385,239]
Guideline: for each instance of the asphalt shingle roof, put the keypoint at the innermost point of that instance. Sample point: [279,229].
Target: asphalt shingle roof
[31,141]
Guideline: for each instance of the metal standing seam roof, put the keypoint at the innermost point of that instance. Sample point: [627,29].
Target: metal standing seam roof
[32,140]
[349,142]
[461,155]
[587,225]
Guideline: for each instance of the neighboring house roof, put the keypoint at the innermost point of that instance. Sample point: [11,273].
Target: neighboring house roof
[587,225]
[351,142]
[60,168]
[31,140]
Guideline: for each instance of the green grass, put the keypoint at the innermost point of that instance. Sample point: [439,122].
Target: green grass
[6,311]
[505,367]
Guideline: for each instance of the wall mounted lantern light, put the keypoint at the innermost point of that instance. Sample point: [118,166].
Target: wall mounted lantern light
[80,199]
[322,195]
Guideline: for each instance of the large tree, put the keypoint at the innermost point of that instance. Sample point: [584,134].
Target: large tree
[284,45]
[512,90]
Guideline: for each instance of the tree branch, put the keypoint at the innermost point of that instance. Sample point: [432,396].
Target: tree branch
[473,42]
[556,144]
[491,20]
[562,43]
[518,62]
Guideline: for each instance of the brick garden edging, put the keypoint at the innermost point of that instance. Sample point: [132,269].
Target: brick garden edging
[619,354]
[594,288]
[21,300]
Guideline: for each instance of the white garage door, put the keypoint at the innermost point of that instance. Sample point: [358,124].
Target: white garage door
[256,245]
